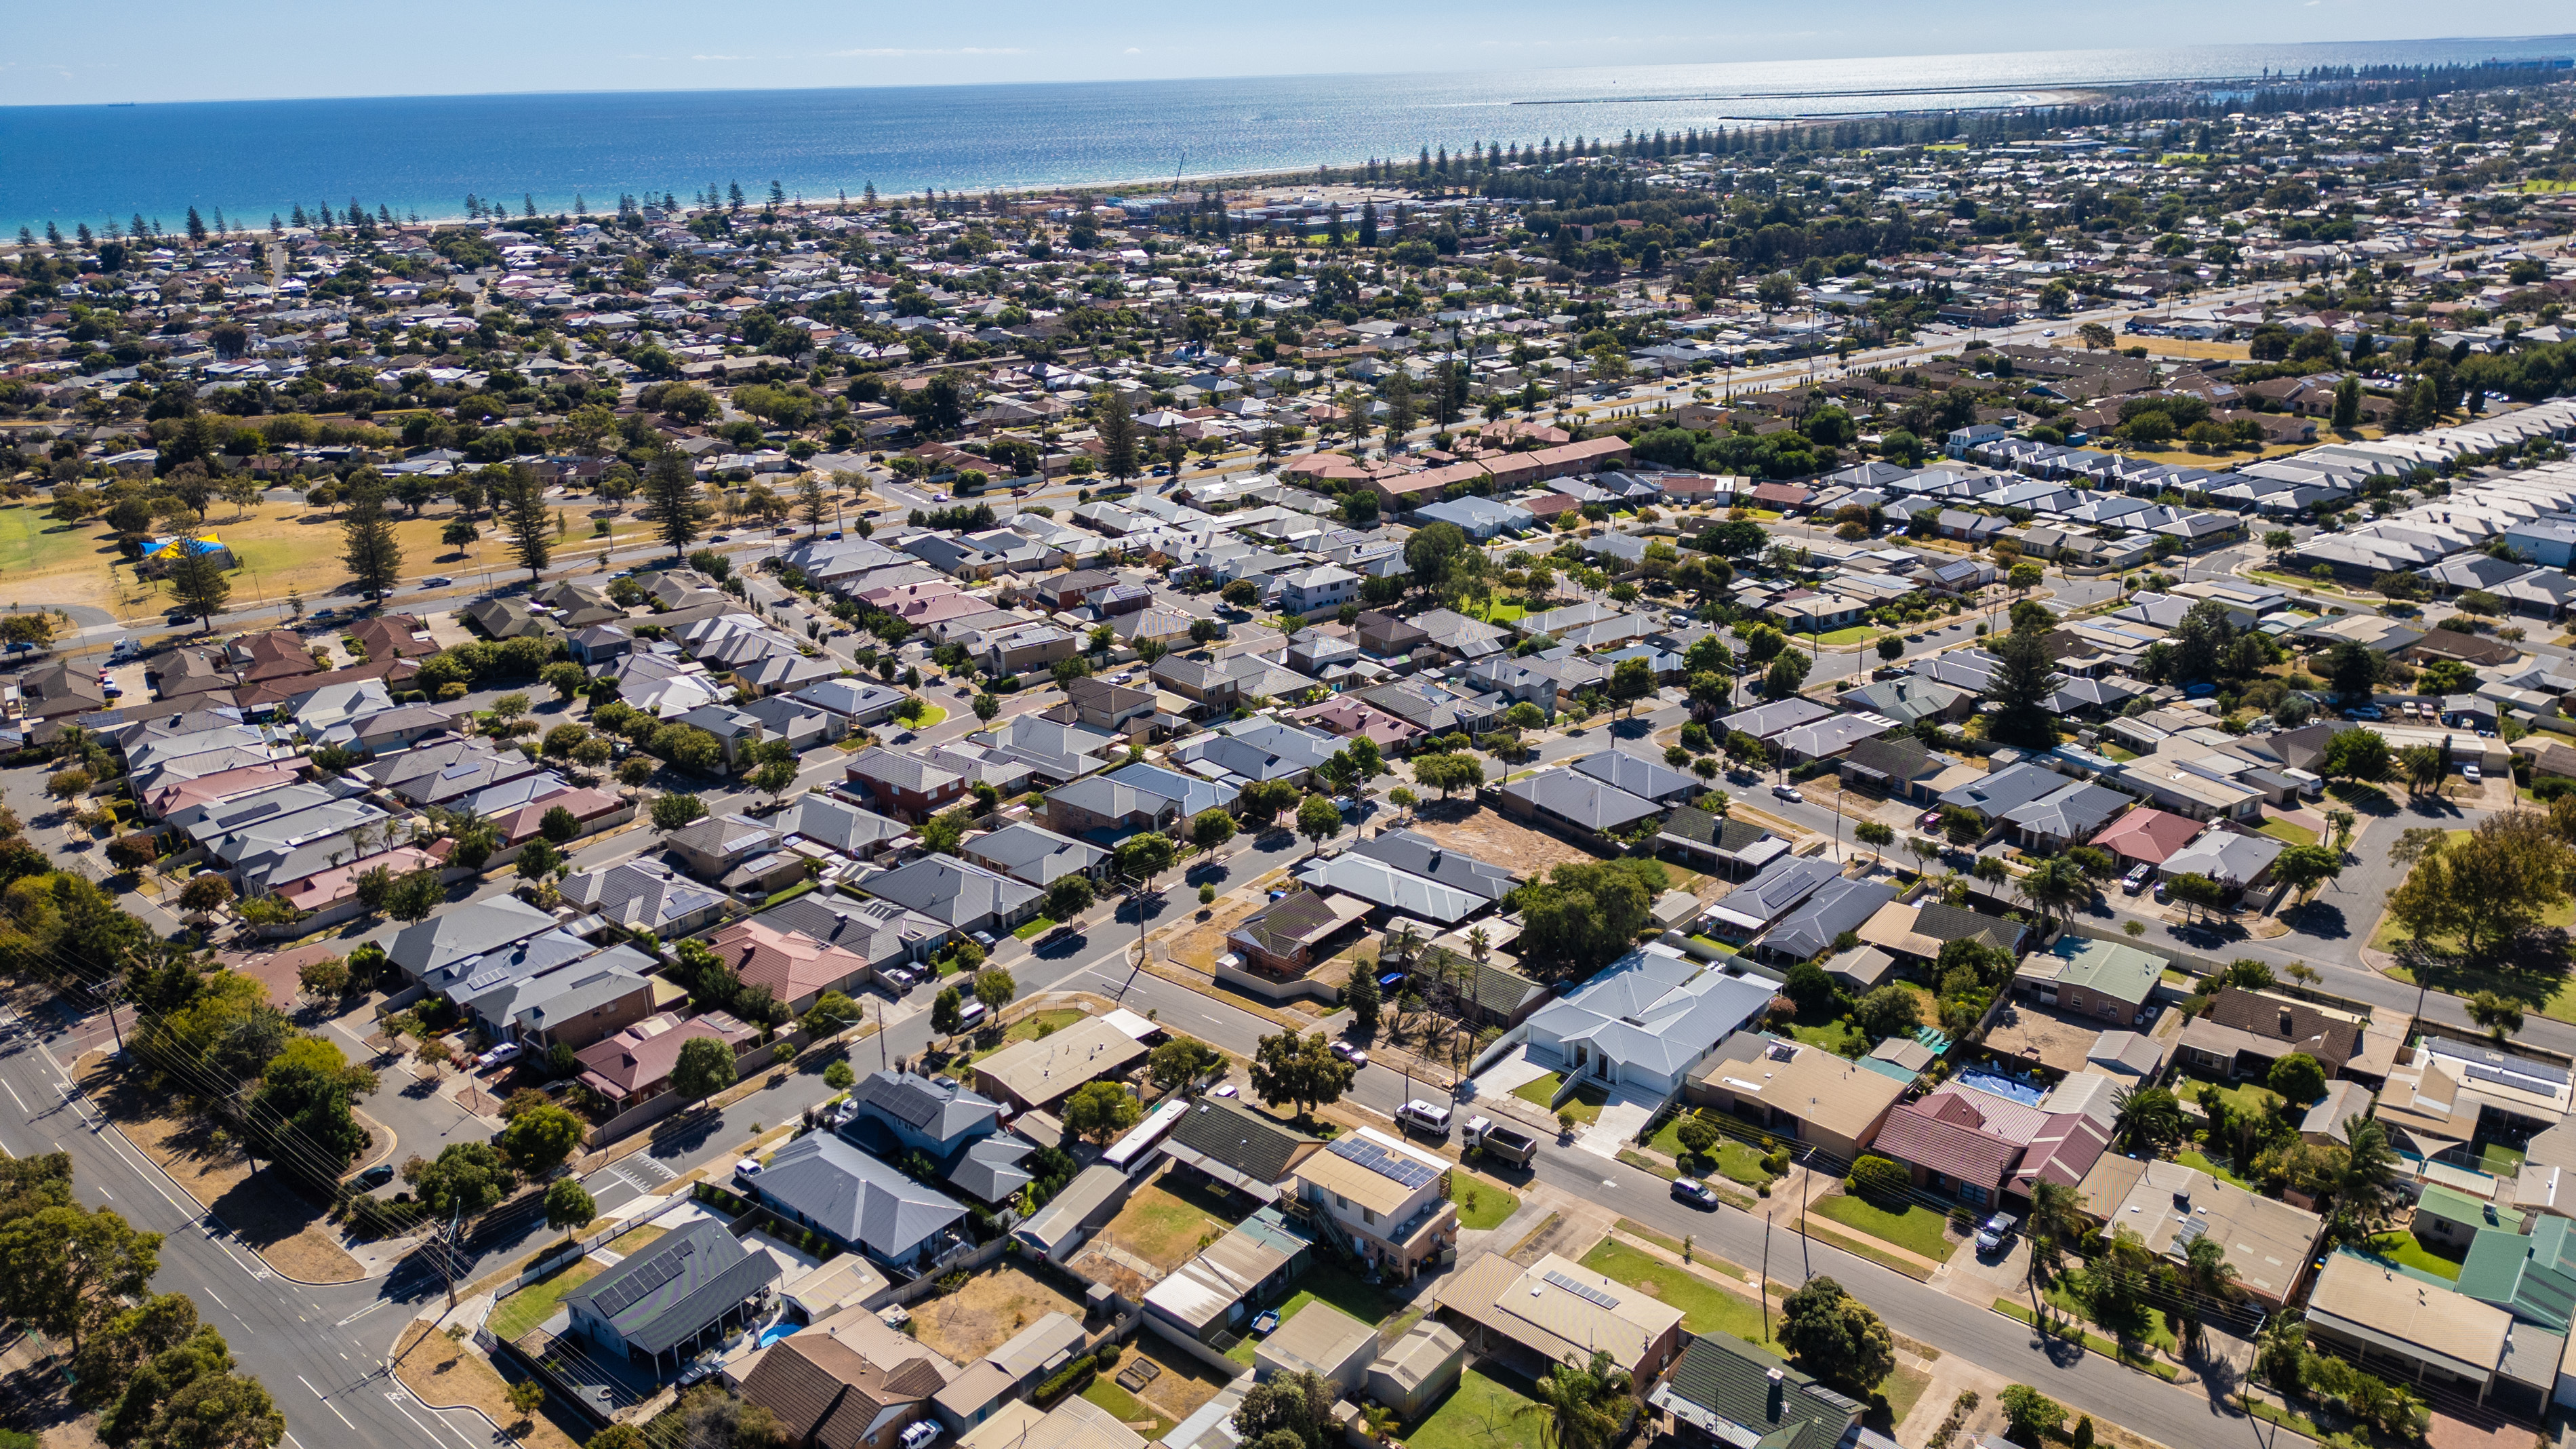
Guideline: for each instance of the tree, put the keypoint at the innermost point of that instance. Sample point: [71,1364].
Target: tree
[324,980]
[413,895]
[2494,1014]
[2031,1414]
[1876,836]
[519,501]
[1069,896]
[704,1068]
[569,1205]
[197,581]
[368,545]
[1292,1411]
[2024,680]
[2146,1119]
[947,1011]
[466,1179]
[1145,855]
[2355,670]
[1786,676]
[670,493]
[831,1014]
[1360,994]
[2195,890]
[1318,819]
[2298,1077]
[1633,680]
[1581,1406]
[1101,1111]
[1433,551]
[1836,1337]
[670,812]
[205,894]
[1179,1061]
[1587,914]
[2488,889]
[527,1395]
[1448,772]
[1211,828]
[995,988]
[1299,1070]
[540,1139]
[1115,425]
[1887,1011]
[63,1268]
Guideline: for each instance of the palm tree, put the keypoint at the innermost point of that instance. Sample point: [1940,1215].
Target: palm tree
[1583,1407]
[2054,887]
[2366,1188]
[2147,1117]
[2210,1276]
[2424,767]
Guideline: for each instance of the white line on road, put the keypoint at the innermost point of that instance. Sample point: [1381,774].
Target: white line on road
[361,1313]
[326,1402]
[219,1298]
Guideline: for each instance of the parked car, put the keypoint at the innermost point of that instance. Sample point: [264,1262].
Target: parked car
[1931,820]
[500,1056]
[1996,1233]
[2471,773]
[1695,1192]
[900,978]
[1788,792]
[982,938]
[698,1373]
[1350,1053]
[376,1176]
[2137,878]
[1419,1113]
[125,651]
[748,1167]
[2362,711]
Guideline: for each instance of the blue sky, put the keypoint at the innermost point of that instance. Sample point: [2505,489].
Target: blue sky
[162,50]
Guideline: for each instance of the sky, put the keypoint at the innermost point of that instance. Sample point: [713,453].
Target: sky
[167,50]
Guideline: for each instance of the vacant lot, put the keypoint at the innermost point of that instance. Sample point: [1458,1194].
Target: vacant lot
[1197,943]
[449,1374]
[1160,1228]
[1490,836]
[2035,1034]
[973,1321]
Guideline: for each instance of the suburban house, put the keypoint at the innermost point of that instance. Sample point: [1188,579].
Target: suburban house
[1978,1147]
[962,895]
[1644,1021]
[2091,978]
[1284,937]
[2244,1032]
[827,1393]
[894,1113]
[1556,1311]
[904,786]
[2402,1327]
[1386,1198]
[1803,1092]
[1036,856]
[634,1066]
[1726,1392]
[666,1301]
[820,1182]
[2269,1242]
[1043,1071]
[793,967]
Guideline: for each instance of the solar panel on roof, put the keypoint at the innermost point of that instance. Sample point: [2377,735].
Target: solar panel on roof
[1584,1291]
[492,976]
[1386,1164]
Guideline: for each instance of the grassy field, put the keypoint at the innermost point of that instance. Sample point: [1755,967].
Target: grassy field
[2294,834]
[1539,1090]
[1160,1228]
[2535,980]
[2408,1251]
[1856,634]
[1027,1028]
[1917,1229]
[1706,1308]
[1862,1247]
[1042,923]
[1481,1204]
[2245,1098]
[931,714]
[2020,1313]
[534,1304]
[1483,1412]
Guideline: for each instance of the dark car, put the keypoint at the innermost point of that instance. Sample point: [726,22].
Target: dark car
[1695,1192]
[376,1176]
[692,1376]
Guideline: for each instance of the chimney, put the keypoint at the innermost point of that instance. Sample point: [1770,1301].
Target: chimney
[2285,1021]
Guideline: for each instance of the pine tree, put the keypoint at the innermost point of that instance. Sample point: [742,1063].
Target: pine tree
[670,490]
[370,549]
[520,503]
[197,579]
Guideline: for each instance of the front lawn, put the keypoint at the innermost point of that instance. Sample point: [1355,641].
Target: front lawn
[1539,1090]
[2244,1099]
[1916,1228]
[1706,1308]
[534,1304]
[1031,1027]
[1735,1159]
[1042,923]
[2284,830]
[1126,1409]
[931,714]
[1586,1103]
[1856,634]
[1481,1204]
[1483,1412]
[2498,1160]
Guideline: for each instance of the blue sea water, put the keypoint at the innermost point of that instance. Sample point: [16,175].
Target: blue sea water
[68,164]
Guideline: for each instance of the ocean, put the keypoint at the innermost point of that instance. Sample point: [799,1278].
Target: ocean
[252,159]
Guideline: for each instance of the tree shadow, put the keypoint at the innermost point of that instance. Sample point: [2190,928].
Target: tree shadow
[2321,919]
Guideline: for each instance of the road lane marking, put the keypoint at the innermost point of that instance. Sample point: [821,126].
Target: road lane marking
[21,1101]
[219,1298]
[361,1313]
[326,1402]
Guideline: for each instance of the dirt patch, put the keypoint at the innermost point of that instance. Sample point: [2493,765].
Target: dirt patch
[445,1373]
[288,1232]
[1197,942]
[1491,836]
[39,1401]
[2028,1033]
[276,970]
[973,1321]
[1099,1267]
[1183,1386]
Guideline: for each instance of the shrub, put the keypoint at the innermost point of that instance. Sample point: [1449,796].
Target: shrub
[1877,1177]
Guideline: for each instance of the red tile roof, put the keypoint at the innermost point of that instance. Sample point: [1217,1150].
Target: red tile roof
[1947,1135]
[2148,835]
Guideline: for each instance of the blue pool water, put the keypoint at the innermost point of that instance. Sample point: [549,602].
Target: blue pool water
[777,1331]
[2001,1086]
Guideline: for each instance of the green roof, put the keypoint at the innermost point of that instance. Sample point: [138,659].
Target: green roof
[2459,1207]
[2123,973]
[1721,1377]
[2532,1277]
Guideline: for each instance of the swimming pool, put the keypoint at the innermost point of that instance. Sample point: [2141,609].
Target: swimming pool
[2001,1086]
[777,1331]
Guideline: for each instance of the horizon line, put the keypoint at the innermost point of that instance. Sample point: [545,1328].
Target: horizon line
[2569,36]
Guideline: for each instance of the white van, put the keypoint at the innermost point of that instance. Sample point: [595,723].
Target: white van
[1419,1113]
[971,1016]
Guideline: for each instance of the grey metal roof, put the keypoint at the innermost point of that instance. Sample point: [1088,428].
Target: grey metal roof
[854,1197]
[670,1292]
[1411,850]
[1034,854]
[1636,774]
[1580,798]
[951,890]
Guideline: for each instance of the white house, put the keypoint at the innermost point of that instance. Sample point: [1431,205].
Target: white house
[1645,1021]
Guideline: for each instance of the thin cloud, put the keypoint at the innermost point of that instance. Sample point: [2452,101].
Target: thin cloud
[898,51]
